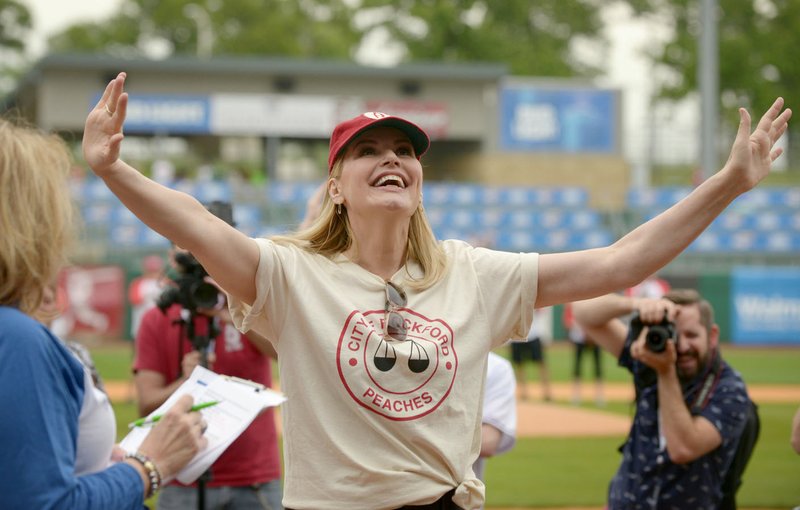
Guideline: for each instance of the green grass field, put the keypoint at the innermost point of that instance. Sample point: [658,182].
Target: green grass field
[563,472]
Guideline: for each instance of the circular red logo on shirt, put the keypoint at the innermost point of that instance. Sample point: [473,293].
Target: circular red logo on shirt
[399,380]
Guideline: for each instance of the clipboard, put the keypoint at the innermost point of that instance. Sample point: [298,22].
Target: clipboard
[240,401]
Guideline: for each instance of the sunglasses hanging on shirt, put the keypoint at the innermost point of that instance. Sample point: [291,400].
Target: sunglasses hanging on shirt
[395,330]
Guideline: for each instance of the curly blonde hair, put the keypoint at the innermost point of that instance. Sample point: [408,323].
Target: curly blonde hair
[36,212]
[330,234]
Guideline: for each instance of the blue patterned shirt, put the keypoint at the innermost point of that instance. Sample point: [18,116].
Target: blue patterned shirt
[647,478]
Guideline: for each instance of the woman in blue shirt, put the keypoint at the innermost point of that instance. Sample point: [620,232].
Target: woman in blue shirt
[42,384]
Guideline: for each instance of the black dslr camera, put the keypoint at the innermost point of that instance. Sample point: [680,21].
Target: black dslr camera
[191,290]
[657,334]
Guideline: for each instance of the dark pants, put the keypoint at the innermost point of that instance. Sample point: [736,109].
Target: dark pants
[598,366]
[443,503]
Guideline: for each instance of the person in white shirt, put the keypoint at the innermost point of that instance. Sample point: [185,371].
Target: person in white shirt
[382,332]
[499,421]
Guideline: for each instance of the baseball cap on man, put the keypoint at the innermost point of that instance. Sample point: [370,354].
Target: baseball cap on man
[345,131]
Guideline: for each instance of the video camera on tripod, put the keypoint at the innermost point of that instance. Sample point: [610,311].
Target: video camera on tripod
[191,290]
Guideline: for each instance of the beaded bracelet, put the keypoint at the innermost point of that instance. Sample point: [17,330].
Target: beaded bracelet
[150,468]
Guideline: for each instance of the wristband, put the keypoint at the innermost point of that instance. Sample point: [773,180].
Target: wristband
[150,468]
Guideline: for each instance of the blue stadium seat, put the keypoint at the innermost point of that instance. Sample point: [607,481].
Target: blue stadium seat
[583,219]
[518,197]
[767,220]
[125,235]
[574,197]
[290,193]
[247,216]
[515,241]
[517,219]
[121,215]
[205,191]
[790,197]
[708,242]
[557,240]
[551,218]
[436,216]
[151,238]
[210,191]
[652,198]
[136,235]
[490,218]
[96,213]
[595,238]
[94,189]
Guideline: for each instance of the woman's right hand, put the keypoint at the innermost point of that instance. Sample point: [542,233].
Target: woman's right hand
[102,133]
[175,439]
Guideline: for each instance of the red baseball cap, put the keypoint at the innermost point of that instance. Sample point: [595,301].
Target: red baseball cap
[345,131]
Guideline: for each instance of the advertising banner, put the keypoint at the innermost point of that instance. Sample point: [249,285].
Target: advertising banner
[91,302]
[569,120]
[765,305]
[149,113]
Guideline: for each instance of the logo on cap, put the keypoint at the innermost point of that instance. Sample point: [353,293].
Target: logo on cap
[376,115]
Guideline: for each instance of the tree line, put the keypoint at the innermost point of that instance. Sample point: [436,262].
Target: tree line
[532,38]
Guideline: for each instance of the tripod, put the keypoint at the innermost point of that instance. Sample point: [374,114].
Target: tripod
[200,342]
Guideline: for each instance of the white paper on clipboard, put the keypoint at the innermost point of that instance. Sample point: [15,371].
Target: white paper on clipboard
[240,401]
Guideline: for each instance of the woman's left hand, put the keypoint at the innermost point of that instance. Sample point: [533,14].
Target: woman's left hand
[752,154]
[102,133]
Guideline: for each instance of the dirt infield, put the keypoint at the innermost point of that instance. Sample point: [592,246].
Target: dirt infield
[559,418]
[537,418]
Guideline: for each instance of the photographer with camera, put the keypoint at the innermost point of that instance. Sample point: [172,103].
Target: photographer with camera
[191,326]
[695,426]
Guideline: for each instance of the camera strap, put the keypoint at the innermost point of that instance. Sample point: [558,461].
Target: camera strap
[710,379]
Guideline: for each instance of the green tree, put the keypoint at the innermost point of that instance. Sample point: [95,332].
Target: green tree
[308,28]
[15,23]
[532,38]
[757,39]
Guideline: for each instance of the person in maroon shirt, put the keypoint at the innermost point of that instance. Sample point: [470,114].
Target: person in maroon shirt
[247,474]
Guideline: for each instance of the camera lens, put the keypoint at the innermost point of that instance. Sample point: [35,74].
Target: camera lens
[204,295]
[657,337]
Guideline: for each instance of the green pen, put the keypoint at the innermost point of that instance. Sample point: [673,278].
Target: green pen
[141,422]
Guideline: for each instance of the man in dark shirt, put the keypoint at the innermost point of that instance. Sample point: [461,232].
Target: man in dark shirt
[691,406]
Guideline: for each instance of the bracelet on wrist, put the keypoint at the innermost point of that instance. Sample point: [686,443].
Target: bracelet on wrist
[150,468]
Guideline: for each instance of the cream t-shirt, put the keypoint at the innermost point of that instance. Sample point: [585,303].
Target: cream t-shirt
[377,424]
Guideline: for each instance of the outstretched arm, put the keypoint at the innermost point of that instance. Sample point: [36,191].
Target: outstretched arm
[229,256]
[579,275]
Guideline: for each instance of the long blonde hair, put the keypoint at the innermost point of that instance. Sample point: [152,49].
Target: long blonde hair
[330,234]
[36,212]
